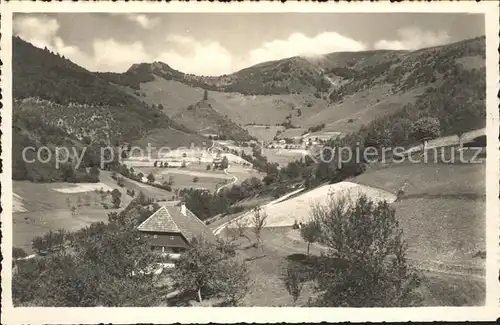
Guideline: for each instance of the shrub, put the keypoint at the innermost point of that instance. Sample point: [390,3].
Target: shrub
[366,264]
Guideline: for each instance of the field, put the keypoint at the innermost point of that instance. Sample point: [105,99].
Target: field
[442,214]
[281,245]
[359,108]
[263,132]
[39,208]
[212,179]
[283,156]
[440,202]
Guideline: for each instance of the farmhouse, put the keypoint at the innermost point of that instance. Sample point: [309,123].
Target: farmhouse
[172,228]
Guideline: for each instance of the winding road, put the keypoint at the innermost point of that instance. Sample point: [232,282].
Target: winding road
[235,179]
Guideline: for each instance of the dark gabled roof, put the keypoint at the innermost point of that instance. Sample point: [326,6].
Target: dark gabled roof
[168,218]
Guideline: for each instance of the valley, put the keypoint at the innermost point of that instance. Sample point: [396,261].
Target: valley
[240,145]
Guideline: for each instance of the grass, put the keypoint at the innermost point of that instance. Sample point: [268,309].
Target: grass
[183,177]
[28,225]
[266,269]
[428,178]
[170,138]
[442,215]
[442,211]
[263,132]
[282,244]
[446,230]
[48,209]
[282,156]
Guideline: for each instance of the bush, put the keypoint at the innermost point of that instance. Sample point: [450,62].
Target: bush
[366,264]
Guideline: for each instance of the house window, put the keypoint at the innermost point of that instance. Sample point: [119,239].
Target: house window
[155,236]
[172,237]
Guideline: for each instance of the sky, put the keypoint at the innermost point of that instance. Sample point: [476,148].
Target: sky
[213,44]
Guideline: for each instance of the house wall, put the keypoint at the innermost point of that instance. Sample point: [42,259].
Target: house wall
[167,242]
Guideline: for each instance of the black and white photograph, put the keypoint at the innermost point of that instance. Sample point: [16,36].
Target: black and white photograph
[249,159]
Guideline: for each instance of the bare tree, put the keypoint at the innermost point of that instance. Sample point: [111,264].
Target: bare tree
[241,227]
[259,221]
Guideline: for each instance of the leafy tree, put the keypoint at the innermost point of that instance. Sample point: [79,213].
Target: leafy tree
[206,269]
[425,128]
[103,269]
[196,269]
[115,198]
[224,163]
[151,178]
[232,282]
[366,264]
[310,232]
[143,200]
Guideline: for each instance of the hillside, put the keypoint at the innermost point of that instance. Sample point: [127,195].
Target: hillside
[203,118]
[57,102]
[78,100]
[344,90]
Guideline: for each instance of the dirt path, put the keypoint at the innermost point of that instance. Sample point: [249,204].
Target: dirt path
[235,179]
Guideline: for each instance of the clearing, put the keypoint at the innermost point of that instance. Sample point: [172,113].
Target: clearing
[40,207]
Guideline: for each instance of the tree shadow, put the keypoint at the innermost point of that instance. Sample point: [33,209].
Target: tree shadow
[309,267]
[254,258]
[182,299]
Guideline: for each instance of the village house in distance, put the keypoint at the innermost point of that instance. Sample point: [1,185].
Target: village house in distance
[172,228]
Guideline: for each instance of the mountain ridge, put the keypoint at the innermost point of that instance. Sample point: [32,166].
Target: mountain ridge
[343,90]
